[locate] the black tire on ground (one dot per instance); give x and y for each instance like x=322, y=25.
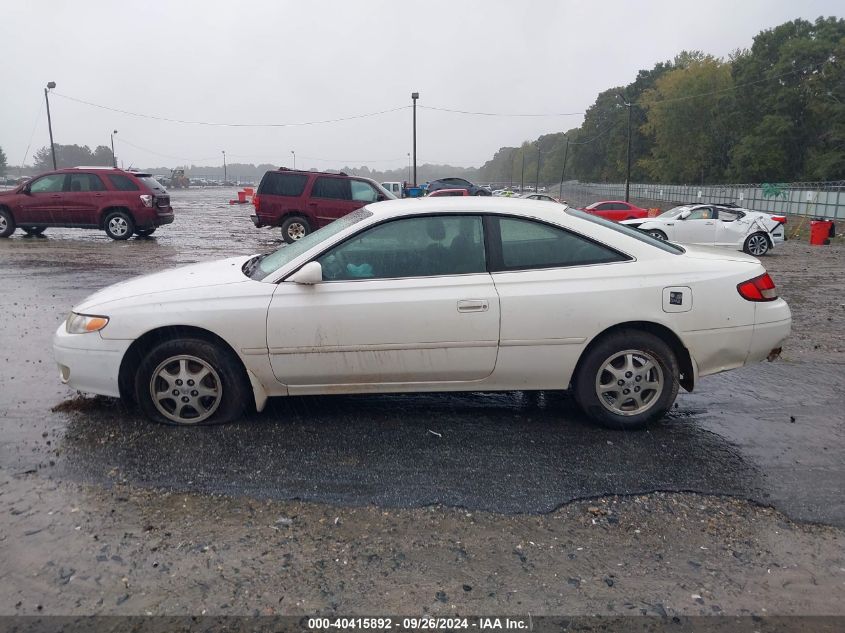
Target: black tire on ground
x=660, y=235
x=294, y=228
x=118, y=225
x=7, y=223
x=648, y=372
x=756, y=244
x=33, y=230
x=145, y=232
x=181, y=371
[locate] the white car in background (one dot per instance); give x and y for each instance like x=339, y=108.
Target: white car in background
x=438, y=294
x=728, y=226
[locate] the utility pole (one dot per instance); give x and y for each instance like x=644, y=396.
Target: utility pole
x=628, y=167
x=537, y=180
x=563, y=169
x=294, y=159
x=414, y=97
x=513, y=153
x=113, y=157
x=522, y=178
x=224, y=167
x=50, y=86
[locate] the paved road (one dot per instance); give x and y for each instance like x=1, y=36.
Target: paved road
x=774, y=432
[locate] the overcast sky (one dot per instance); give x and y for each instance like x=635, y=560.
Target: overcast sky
x=273, y=61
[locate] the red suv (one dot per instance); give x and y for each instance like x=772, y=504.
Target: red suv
x=303, y=201
x=118, y=202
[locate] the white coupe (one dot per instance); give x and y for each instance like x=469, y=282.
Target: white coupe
x=442, y=294
x=728, y=226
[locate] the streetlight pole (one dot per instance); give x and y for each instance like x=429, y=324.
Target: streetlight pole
x=294, y=159
x=409, y=167
x=113, y=157
x=537, y=180
x=628, y=168
x=50, y=86
x=414, y=97
x=224, y=167
x=513, y=155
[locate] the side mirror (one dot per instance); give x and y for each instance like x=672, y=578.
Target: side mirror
x=310, y=274
x=26, y=189
x=684, y=214
x=381, y=197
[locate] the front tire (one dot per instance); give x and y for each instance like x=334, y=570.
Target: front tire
x=119, y=225
x=187, y=382
x=294, y=228
x=658, y=235
x=756, y=244
x=626, y=380
x=7, y=223
x=33, y=230
x=145, y=232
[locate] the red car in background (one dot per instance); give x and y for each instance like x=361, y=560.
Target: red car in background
x=616, y=210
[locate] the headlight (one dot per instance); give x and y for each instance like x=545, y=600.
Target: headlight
x=82, y=323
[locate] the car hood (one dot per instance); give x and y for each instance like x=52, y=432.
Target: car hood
x=714, y=253
x=214, y=273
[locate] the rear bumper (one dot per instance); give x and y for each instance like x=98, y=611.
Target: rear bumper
x=88, y=362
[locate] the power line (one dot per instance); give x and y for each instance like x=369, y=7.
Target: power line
x=219, y=124
x=501, y=114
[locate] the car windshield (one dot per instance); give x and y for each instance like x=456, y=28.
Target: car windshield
x=671, y=213
x=629, y=231
x=261, y=266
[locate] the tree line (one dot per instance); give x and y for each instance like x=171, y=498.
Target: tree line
x=771, y=113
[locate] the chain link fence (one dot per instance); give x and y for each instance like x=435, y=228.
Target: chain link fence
x=815, y=199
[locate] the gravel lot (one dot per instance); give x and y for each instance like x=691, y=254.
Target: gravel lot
x=732, y=505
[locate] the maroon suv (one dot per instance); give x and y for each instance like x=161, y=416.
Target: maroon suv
x=119, y=202
x=303, y=201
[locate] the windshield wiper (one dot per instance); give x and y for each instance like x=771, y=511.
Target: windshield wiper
x=251, y=264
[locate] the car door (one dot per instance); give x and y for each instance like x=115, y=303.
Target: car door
x=405, y=301
x=555, y=293
x=43, y=202
x=82, y=199
x=330, y=199
x=731, y=227
x=699, y=227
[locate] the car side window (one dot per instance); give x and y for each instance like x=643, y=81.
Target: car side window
x=86, y=182
x=526, y=244
x=332, y=188
x=122, y=183
x=703, y=213
x=48, y=184
x=605, y=206
x=363, y=191
x=729, y=216
x=279, y=184
x=410, y=247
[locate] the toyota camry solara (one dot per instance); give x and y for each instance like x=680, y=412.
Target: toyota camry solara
x=448, y=294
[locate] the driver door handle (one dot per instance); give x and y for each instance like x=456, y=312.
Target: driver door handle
x=473, y=305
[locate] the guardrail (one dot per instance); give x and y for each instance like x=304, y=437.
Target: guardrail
x=816, y=199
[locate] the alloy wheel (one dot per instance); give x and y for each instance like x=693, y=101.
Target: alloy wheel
x=629, y=382
x=758, y=245
x=296, y=231
x=118, y=226
x=186, y=389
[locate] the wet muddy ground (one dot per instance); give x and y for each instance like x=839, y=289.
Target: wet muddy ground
x=419, y=503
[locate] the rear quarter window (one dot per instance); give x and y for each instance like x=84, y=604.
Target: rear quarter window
x=277, y=184
x=122, y=183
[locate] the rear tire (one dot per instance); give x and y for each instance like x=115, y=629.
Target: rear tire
x=756, y=244
x=119, y=225
x=294, y=228
x=186, y=382
x=648, y=372
x=33, y=230
x=7, y=223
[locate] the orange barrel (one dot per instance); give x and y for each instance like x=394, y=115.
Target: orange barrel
x=249, y=191
x=241, y=197
x=820, y=232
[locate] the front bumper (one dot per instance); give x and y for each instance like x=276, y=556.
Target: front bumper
x=88, y=362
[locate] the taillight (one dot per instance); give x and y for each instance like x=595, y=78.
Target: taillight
x=255, y=201
x=760, y=288
x=779, y=218
x=147, y=200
